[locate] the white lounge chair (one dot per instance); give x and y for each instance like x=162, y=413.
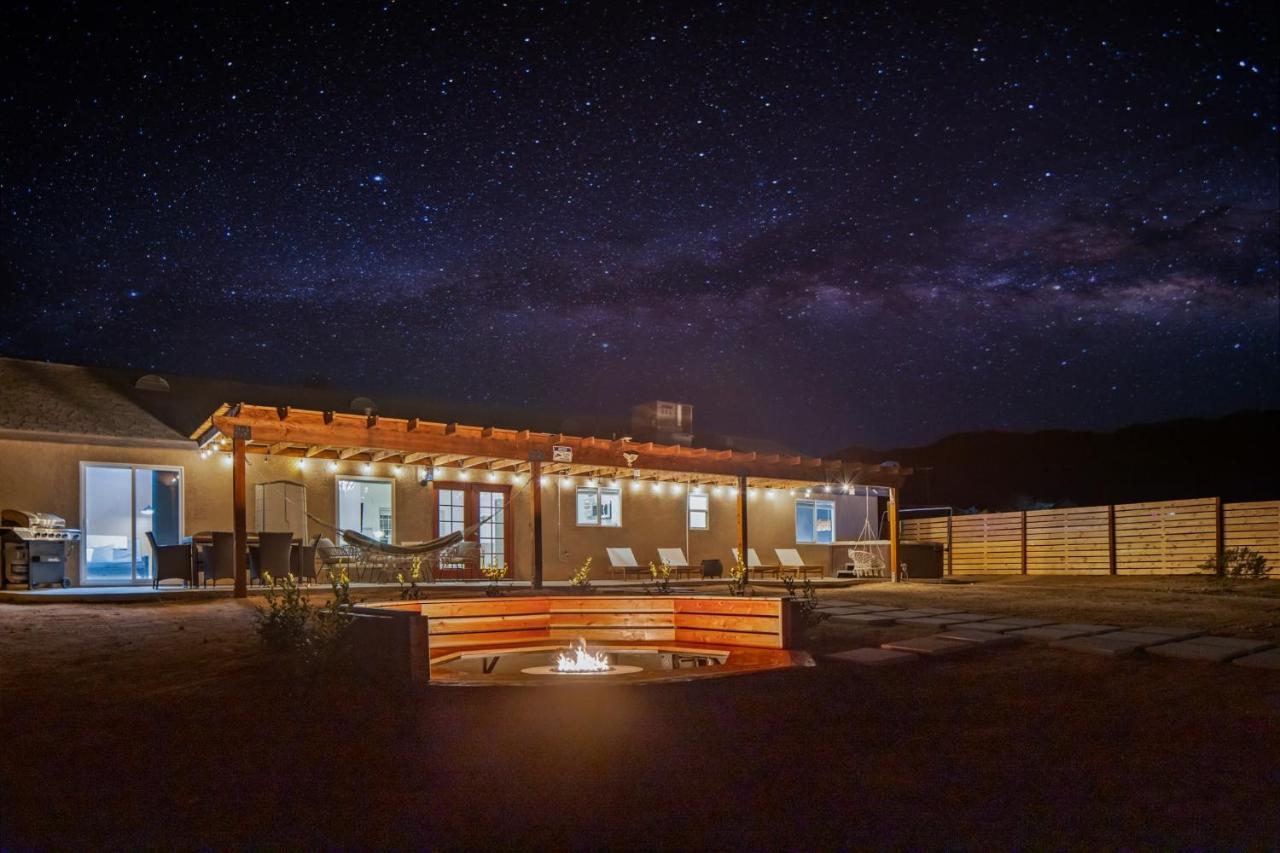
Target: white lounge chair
x=753, y=562
x=790, y=561
x=674, y=557
x=623, y=561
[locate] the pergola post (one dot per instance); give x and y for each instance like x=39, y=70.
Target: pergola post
x=743, y=553
x=895, y=569
x=535, y=492
x=239, y=523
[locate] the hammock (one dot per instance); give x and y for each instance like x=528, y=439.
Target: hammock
x=358, y=539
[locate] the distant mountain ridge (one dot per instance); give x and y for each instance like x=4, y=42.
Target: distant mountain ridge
x=1236, y=457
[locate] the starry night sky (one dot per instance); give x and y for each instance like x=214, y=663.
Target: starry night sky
x=822, y=224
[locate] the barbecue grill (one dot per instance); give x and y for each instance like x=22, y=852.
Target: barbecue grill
x=34, y=548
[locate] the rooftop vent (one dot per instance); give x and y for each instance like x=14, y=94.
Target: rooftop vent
x=363, y=405
x=151, y=382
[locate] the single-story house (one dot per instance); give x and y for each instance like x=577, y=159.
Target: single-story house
x=117, y=453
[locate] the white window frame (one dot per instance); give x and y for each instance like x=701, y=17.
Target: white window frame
x=598, y=490
x=706, y=510
x=133, y=500
x=813, y=503
x=337, y=497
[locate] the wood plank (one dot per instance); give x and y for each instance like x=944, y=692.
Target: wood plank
x=728, y=638
x=728, y=622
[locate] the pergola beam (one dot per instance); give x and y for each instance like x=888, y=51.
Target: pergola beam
x=357, y=435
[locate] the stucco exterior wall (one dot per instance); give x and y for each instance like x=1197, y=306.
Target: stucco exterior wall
x=45, y=476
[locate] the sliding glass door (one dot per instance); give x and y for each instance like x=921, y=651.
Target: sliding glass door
x=120, y=504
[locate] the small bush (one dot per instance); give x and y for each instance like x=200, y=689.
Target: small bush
x=661, y=574
x=1240, y=562
x=808, y=599
x=494, y=574
x=738, y=579
x=290, y=623
x=582, y=577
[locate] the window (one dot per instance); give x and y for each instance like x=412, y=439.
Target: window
x=365, y=504
x=493, y=528
x=451, y=511
x=599, y=507
x=121, y=503
x=699, y=511
x=815, y=522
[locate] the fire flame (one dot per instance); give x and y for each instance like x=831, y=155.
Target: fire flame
x=582, y=660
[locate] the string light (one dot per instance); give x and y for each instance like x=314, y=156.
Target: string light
x=676, y=488
x=302, y=463
x=333, y=466
x=565, y=482
x=635, y=485
x=395, y=470
x=542, y=481
x=367, y=468
x=493, y=475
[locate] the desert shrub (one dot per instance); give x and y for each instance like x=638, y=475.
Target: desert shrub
x=808, y=597
x=1242, y=562
x=410, y=590
x=494, y=574
x=290, y=623
x=738, y=584
x=662, y=575
x=582, y=577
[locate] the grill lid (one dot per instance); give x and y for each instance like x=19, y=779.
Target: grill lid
x=24, y=518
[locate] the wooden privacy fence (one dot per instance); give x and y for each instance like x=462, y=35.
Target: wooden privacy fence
x=1165, y=537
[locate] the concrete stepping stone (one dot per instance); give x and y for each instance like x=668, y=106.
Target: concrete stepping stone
x=1112, y=644
x=985, y=638
x=995, y=626
x=935, y=621
x=934, y=646
x=1025, y=623
x=1050, y=633
x=933, y=611
x=1213, y=649
x=848, y=608
x=875, y=608
x=902, y=614
x=1260, y=660
x=1168, y=631
x=1133, y=635
x=862, y=619
x=874, y=657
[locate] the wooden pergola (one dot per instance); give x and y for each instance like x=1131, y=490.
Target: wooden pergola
x=290, y=432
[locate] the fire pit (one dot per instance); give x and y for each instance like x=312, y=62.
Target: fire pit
x=581, y=662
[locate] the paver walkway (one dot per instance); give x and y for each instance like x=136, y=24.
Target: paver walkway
x=962, y=631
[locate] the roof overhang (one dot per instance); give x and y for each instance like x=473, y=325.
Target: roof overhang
x=283, y=431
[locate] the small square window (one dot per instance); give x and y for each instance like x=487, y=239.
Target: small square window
x=599, y=507
x=699, y=511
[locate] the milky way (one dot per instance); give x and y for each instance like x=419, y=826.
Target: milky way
x=818, y=224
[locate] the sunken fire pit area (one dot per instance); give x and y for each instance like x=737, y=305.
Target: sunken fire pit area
x=590, y=639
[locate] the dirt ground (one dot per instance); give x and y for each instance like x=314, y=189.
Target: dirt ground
x=162, y=725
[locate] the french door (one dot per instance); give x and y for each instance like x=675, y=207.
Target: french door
x=460, y=506
x=120, y=504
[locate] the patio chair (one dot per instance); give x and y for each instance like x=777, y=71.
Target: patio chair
x=754, y=564
x=790, y=561
x=303, y=561
x=273, y=557
x=220, y=559
x=674, y=557
x=623, y=561
x=171, y=562
x=333, y=558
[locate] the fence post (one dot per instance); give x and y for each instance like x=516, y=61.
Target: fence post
x=1111, y=538
x=1024, y=541
x=950, y=564
x=1220, y=529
